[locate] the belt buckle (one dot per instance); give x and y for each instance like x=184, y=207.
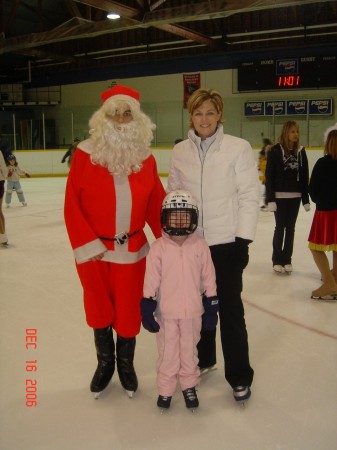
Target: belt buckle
x=121, y=238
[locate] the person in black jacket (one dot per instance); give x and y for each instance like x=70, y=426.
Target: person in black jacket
x=287, y=179
x=323, y=233
x=70, y=152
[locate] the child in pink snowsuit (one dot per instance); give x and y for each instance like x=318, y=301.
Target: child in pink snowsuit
x=180, y=289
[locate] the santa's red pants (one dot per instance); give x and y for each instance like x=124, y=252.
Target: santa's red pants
x=112, y=294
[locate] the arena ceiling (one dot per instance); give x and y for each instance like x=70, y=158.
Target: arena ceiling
x=43, y=40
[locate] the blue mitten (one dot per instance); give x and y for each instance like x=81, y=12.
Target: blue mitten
x=210, y=316
x=147, y=308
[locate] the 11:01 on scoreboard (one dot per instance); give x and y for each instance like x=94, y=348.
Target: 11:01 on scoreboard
x=289, y=81
x=314, y=72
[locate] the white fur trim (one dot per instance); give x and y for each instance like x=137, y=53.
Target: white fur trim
x=125, y=98
x=86, y=146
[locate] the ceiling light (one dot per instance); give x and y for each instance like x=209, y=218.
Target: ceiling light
x=113, y=16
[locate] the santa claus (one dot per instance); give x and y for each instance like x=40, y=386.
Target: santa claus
x=113, y=190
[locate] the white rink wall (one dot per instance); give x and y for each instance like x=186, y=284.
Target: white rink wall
x=41, y=163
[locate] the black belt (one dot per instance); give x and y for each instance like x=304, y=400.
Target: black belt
x=120, y=238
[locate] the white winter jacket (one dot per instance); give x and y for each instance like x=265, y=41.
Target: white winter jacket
x=225, y=185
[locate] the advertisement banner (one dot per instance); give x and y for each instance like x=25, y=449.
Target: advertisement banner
x=287, y=67
x=313, y=107
x=296, y=107
x=191, y=84
x=254, y=108
x=320, y=107
x=275, y=108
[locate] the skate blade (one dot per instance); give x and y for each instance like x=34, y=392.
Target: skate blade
x=207, y=370
x=193, y=410
x=97, y=395
x=325, y=297
x=129, y=393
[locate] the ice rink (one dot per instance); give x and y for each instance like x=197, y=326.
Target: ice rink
x=293, y=349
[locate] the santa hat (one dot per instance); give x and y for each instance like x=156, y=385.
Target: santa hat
x=122, y=92
x=327, y=131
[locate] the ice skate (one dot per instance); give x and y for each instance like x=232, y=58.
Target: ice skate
x=277, y=268
x=125, y=368
x=288, y=268
x=102, y=378
x=206, y=370
x=241, y=394
x=328, y=291
x=105, y=349
x=163, y=403
x=3, y=239
x=191, y=399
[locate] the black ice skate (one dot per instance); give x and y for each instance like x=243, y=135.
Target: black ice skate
x=102, y=377
x=105, y=349
x=242, y=394
x=191, y=399
x=164, y=402
x=126, y=371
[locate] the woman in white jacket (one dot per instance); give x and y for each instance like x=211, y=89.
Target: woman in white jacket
x=220, y=172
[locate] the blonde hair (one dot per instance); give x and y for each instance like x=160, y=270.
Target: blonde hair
x=331, y=144
x=283, y=139
x=202, y=95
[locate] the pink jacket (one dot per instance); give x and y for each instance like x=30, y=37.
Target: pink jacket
x=178, y=275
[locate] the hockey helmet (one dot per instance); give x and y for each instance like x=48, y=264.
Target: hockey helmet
x=11, y=157
x=179, y=213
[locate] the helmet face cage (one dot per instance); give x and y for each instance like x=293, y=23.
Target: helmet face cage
x=179, y=214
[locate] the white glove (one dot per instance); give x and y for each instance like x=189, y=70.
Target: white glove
x=307, y=207
x=272, y=207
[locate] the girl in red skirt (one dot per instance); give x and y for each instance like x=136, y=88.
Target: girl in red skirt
x=323, y=233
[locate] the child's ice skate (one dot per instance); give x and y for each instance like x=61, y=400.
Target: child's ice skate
x=277, y=268
x=288, y=268
x=328, y=291
x=163, y=403
x=3, y=239
x=242, y=394
x=191, y=399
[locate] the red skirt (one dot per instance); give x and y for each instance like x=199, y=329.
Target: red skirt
x=323, y=233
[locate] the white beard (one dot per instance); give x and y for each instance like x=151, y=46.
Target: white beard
x=121, y=148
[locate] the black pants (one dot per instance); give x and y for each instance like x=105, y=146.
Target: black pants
x=285, y=220
x=234, y=338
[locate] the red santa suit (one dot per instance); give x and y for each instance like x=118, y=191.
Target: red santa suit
x=100, y=210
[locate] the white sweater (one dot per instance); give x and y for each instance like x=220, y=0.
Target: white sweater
x=225, y=185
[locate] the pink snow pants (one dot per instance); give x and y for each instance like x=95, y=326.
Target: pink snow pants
x=178, y=357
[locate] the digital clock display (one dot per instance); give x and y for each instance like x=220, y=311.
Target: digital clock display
x=289, y=81
x=314, y=72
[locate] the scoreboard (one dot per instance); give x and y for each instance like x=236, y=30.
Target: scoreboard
x=310, y=72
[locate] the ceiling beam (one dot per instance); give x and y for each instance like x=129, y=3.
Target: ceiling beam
x=167, y=19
